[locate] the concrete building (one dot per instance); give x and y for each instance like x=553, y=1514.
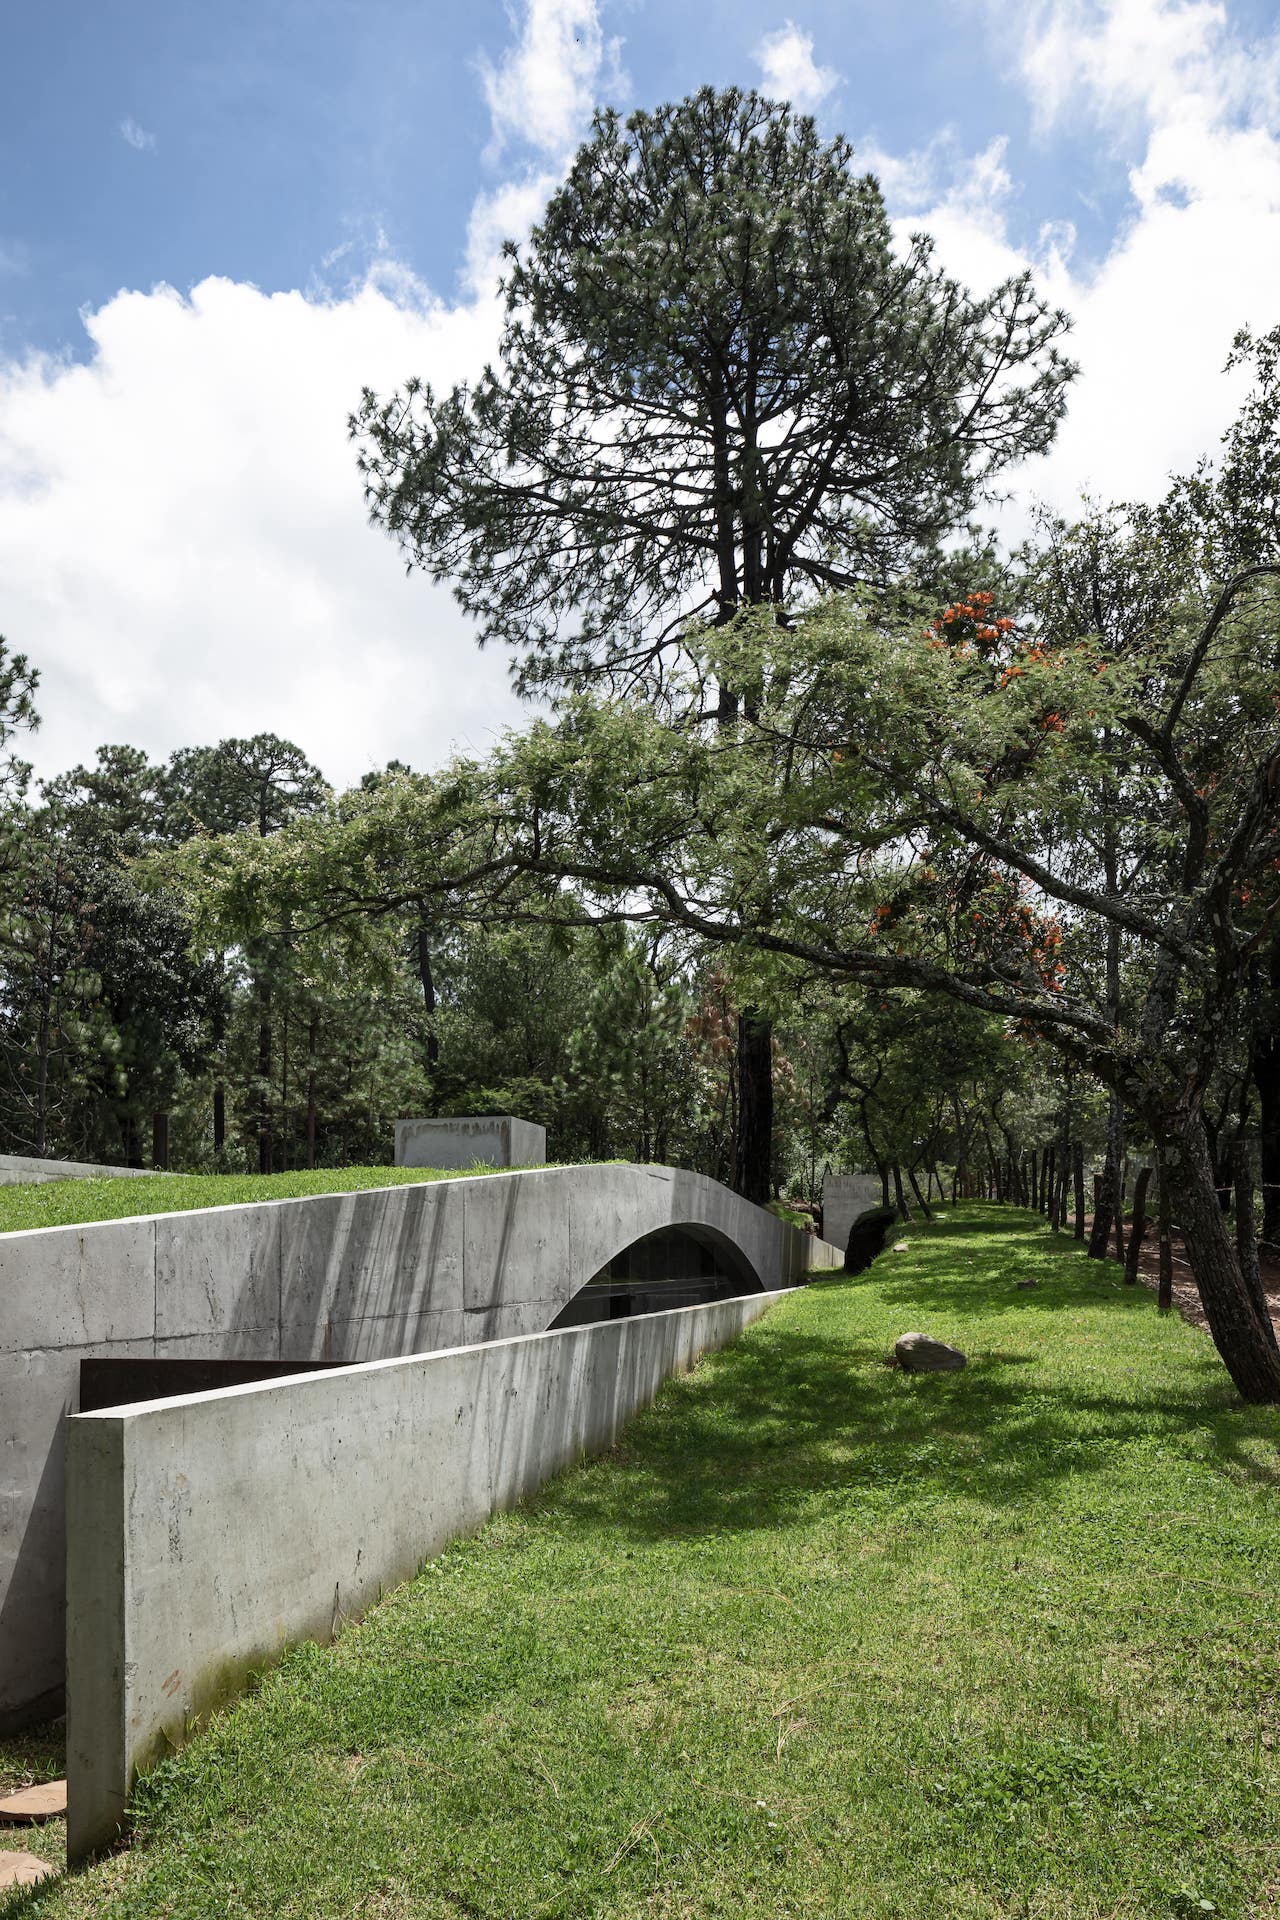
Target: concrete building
x=344, y=1278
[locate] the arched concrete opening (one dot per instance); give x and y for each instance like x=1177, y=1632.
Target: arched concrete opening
x=685, y=1266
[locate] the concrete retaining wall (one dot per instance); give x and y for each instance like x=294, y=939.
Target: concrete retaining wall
x=350, y=1277
x=22, y=1170
x=205, y=1534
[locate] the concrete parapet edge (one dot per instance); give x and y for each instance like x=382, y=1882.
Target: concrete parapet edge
x=210, y=1532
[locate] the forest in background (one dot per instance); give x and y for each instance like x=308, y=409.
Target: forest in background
x=124, y=1040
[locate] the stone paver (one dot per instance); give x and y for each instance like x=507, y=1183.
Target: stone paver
x=44, y=1802
x=22, y=1869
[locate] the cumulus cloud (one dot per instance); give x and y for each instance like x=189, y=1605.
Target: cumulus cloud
x=184, y=544
x=135, y=136
x=1186, y=109
x=544, y=87
x=785, y=59
x=505, y=214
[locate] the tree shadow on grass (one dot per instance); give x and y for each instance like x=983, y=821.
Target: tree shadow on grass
x=789, y=1417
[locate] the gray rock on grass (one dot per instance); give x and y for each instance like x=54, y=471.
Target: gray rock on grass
x=919, y=1353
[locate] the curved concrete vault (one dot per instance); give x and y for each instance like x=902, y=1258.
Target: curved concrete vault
x=380, y=1274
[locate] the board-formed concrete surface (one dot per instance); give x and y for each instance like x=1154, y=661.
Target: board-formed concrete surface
x=844, y=1197
x=206, y=1534
x=345, y=1276
x=23, y=1170
x=492, y=1140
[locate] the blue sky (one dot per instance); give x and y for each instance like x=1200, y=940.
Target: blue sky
x=217, y=223
x=165, y=142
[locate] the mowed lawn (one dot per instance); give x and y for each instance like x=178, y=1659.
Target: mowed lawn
x=63, y=1203
x=819, y=1639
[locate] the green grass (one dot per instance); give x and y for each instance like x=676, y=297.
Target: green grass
x=820, y=1639
x=64, y=1203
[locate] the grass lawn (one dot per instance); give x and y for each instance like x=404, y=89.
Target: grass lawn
x=820, y=1638
x=65, y=1203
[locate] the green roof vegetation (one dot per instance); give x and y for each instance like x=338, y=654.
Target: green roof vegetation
x=64, y=1203
x=819, y=1638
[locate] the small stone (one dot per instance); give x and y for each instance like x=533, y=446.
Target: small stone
x=901, y=1246
x=918, y=1353
x=44, y=1802
x=22, y=1869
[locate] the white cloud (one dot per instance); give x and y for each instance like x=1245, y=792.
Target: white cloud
x=785, y=58
x=505, y=214
x=543, y=90
x=183, y=539
x=1187, y=109
x=135, y=136
x=1128, y=62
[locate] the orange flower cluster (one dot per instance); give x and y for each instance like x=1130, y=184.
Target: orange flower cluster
x=1039, y=935
x=968, y=619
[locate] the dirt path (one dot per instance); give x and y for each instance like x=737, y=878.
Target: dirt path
x=1186, y=1295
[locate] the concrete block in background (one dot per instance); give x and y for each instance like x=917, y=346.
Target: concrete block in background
x=490, y=1140
x=844, y=1197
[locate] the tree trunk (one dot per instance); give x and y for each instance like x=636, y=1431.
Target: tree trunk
x=313, y=1035
x=925, y=1208
x=1107, y=1198
x=754, y=1159
x=1246, y=1226
x=265, y=1154
x=1237, y=1313
x=904, y=1211
x=160, y=1141
x=427, y=978
x=1077, y=1172
x=1137, y=1226
x=219, y=1057
x=1119, y=1219
x=1164, y=1290
x=1267, y=1083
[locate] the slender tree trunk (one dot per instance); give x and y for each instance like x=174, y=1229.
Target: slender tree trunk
x=1268, y=1085
x=265, y=1149
x=1077, y=1173
x=754, y=1164
x=219, y=1058
x=1119, y=1220
x=904, y=1211
x=427, y=978
x=1107, y=1201
x=160, y=1141
x=1246, y=1225
x=1137, y=1226
x=313, y=1038
x=925, y=1208
x=1164, y=1290
x=1237, y=1312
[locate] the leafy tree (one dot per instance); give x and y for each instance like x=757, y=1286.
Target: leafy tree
x=253, y=786
x=720, y=386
